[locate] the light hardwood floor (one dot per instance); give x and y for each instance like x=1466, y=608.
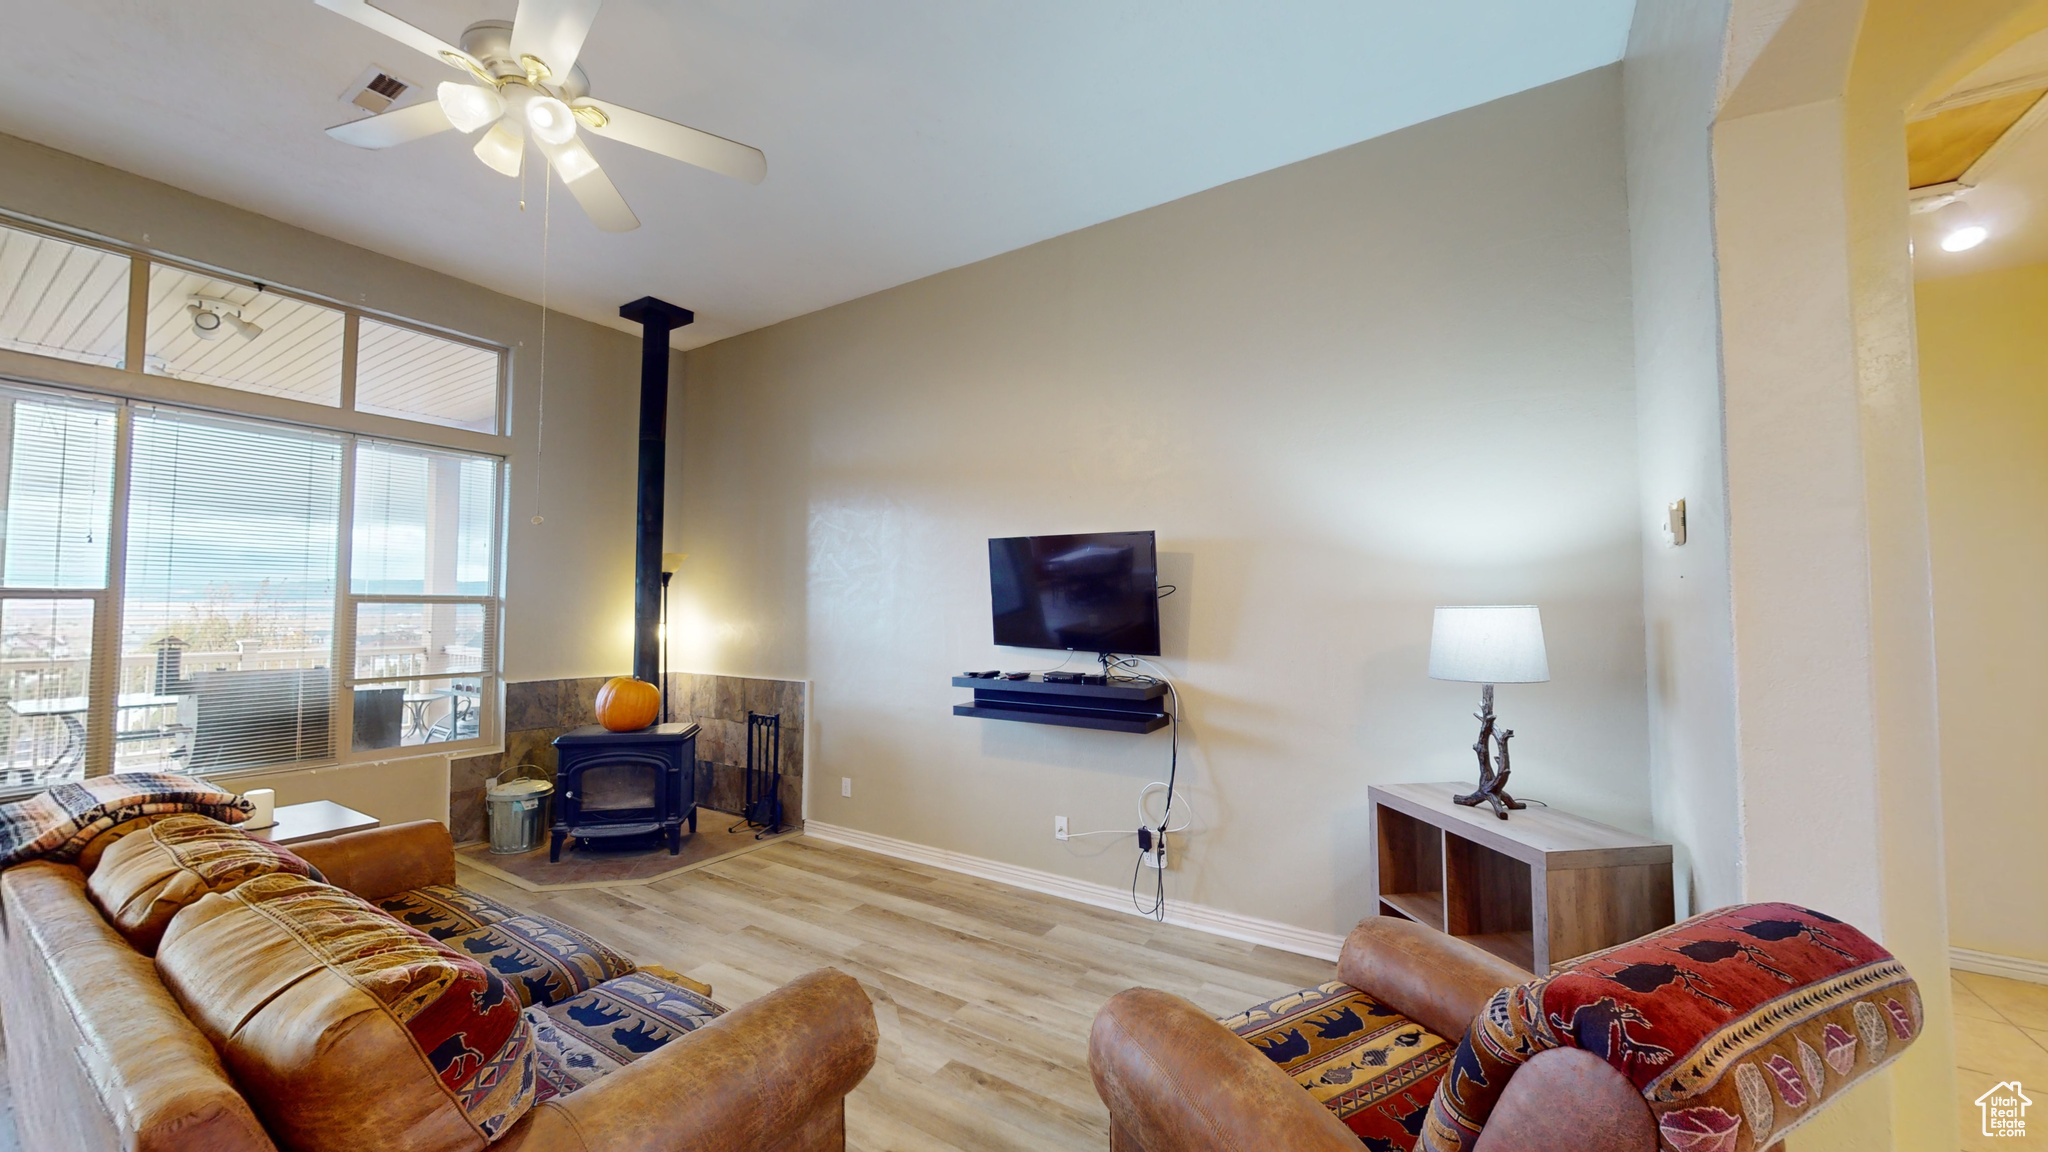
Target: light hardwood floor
x=983, y=992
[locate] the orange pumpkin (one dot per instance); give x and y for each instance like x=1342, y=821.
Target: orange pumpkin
x=627, y=705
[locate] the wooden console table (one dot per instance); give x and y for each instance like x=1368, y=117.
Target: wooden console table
x=315, y=820
x=1536, y=889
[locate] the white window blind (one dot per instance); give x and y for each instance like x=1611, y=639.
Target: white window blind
x=228, y=607
x=59, y=475
x=56, y=465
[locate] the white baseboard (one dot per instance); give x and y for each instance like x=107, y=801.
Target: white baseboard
x=1992, y=964
x=1216, y=921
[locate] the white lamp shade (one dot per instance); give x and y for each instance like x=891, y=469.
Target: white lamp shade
x=469, y=106
x=1489, y=644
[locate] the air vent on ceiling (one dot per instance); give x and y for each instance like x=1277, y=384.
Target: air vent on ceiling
x=376, y=90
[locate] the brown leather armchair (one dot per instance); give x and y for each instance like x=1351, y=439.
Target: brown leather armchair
x=102, y=1056
x=1175, y=1080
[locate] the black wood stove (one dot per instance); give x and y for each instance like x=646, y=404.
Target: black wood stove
x=619, y=784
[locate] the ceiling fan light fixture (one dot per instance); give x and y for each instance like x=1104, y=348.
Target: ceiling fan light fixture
x=502, y=148
x=468, y=106
x=462, y=62
x=572, y=161
x=550, y=119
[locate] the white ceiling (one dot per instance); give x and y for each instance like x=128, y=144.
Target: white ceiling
x=903, y=138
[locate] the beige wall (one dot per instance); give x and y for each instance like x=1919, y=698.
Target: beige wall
x=1670, y=81
x=1840, y=763
x=1984, y=396
x=1344, y=391
x=569, y=584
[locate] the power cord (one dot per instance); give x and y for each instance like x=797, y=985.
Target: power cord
x=1111, y=662
x=1151, y=837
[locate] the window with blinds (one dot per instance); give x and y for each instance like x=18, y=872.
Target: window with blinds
x=422, y=578
x=57, y=465
x=206, y=591
x=228, y=609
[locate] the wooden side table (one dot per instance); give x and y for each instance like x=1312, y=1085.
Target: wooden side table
x=1536, y=889
x=317, y=820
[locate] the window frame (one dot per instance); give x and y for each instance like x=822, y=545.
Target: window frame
x=347, y=601
x=133, y=381
x=131, y=385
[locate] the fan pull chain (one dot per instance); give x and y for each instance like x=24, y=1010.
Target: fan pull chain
x=540, y=432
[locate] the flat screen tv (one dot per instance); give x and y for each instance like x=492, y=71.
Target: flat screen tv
x=1097, y=592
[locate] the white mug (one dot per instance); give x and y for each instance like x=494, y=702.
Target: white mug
x=265, y=811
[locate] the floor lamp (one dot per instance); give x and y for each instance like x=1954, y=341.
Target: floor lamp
x=670, y=561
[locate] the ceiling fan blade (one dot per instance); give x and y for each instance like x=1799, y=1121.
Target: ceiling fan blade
x=677, y=142
x=552, y=31
x=378, y=20
x=389, y=128
x=602, y=203
x=587, y=182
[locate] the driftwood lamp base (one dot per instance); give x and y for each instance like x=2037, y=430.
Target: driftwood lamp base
x=1492, y=750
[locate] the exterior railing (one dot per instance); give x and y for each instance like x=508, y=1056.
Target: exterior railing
x=35, y=747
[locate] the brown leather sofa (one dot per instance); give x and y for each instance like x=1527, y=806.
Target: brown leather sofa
x=102, y=1057
x=1175, y=1080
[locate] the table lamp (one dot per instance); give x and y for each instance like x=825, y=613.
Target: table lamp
x=1488, y=645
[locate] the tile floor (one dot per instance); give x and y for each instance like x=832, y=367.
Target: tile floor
x=2001, y=1034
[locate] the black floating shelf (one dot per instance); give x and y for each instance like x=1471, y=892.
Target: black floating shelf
x=1118, y=707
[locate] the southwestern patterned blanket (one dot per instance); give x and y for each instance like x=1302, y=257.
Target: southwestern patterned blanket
x=63, y=822
x=1737, y=1025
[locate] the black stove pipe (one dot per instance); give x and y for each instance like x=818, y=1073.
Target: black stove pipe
x=657, y=318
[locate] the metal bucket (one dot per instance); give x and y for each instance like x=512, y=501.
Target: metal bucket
x=517, y=810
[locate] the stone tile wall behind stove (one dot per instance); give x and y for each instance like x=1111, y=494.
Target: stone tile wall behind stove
x=537, y=711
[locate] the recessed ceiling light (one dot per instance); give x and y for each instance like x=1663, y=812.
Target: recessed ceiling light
x=1959, y=227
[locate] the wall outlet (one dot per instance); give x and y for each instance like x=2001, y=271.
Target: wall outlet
x=846, y=785
x=1059, y=827
x=1159, y=857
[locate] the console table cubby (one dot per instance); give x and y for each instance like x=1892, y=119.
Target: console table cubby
x=1536, y=889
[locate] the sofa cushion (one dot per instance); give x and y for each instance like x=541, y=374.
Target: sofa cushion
x=443, y=910
x=545, y=961
x=607, y=1027
x=1373, y=1067
x=145, y=878
x=345, y=1029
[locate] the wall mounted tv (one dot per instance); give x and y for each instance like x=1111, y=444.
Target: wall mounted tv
x=1097, y=592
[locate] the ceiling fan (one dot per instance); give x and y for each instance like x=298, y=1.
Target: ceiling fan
x=523, y=84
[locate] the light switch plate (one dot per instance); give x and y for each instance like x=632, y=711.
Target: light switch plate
x=1674, y=523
